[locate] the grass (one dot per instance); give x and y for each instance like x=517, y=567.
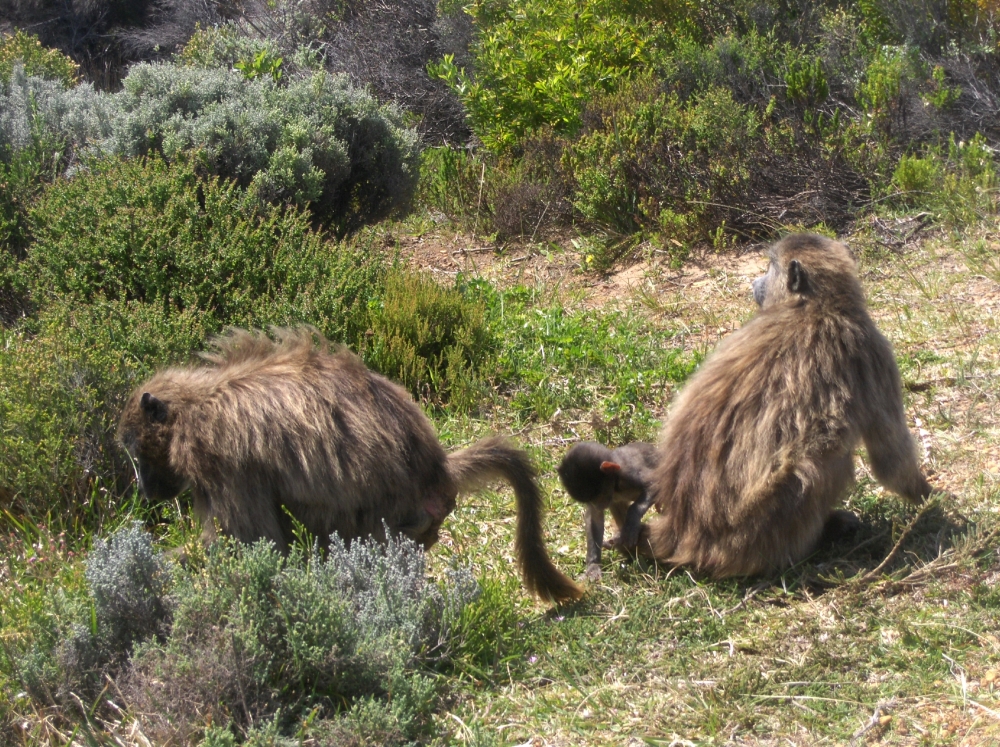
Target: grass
x=837, y=650
x=844, y=648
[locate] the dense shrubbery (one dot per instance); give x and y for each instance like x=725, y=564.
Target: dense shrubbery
x=317, y=141
x=247, y=641
x=27, y=51
x=717, y=122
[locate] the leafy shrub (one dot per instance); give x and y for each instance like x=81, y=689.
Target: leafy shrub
x=537, y=64
x=649, y=154
x=143, y=231
x=257, y=637
x=27, y=51
x=316, y=141
x=433, y=340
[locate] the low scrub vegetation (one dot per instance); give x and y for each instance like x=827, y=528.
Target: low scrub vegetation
x=245, y=644
x=680, y=124
x=232, y=177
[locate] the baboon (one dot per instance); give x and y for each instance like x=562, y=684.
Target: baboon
x=758, y=448
x=271, y=430
x=602, y=479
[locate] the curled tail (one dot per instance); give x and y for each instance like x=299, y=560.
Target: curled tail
x=494, y=458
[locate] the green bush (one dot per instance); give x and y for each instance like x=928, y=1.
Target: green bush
x=539, y=62
x=724, y=122
x=27, y=51
x=145, y=232
x=318, y=141
x=653, y=153
x=431, y=339
x=959, y=185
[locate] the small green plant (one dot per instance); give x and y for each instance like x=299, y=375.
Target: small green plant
x=959, y=187
x=27, y=51
x=880, y=91
x=434, y=340
x=262, y=63
x=942, y=96
x=805, y=82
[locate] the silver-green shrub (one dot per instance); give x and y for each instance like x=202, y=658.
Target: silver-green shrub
x=31, y=107
x=316, y=141
x=257, y=636
x=128, y=582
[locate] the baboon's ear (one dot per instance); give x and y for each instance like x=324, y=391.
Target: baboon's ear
x=797, y=280
x=610, y=468
x=154, y=408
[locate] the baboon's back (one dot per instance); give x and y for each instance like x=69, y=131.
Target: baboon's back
x=314, y=431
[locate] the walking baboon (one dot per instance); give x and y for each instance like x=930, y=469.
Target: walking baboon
x=276, y=429
x=758, y=448
x=602, y=479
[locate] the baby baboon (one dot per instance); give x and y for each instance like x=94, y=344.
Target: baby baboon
x=758, y=448
x=601, y=478
x=272, y=429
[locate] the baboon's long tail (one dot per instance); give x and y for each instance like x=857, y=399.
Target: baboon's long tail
x=494, y=458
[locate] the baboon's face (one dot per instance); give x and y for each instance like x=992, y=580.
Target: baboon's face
x=779, y=282
x=146, y=434
x=764, y=286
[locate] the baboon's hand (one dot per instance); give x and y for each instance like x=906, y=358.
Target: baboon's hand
x=593, y=573
x=629, y=537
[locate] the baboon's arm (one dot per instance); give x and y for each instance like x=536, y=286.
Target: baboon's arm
x=891, y=449
x=629, y=535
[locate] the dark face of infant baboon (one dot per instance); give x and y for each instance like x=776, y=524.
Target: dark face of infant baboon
x=270, y=433
x=758, y=448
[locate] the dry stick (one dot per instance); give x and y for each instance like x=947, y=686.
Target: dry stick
x=479, y=202
x=870, y=576
x=872, y=722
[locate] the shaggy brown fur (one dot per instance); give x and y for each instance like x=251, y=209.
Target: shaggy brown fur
x=286, y=427
x=619, y=480
x=758, y=448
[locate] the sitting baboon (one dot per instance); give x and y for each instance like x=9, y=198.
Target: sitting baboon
x=758, y=448
x=271, y=430
x=619, y=480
